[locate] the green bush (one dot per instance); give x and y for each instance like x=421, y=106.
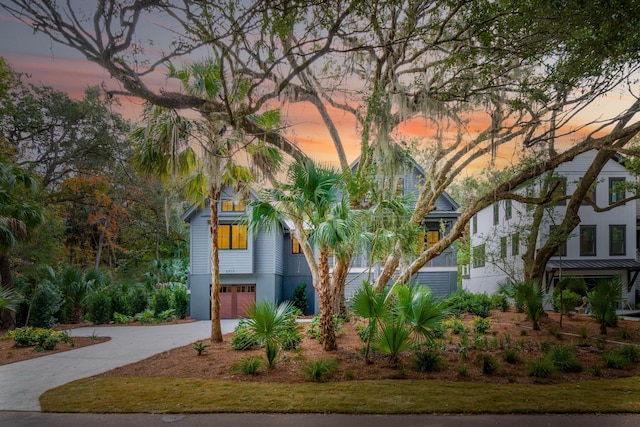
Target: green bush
x=300, y=297
x=540, y=368
x=313, y=331
x=629, y=352
x=570, y=300
x=137, y=300
x=487, y=363
x=511, y=355
x=161, y=300
x=319, y=370
x=99, y=308
x=145, y=317
x=481, y=324
x=616, y=360
x=500, y=302
x=181, y=301
x=122, y=319
x=429, y=360
x=45, y=304
x=242, y=338
x=166, y=315
x=43, y=339
x=250, y=365
x=457, y=326
x=564, y=359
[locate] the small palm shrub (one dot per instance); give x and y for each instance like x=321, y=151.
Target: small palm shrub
x=540, y=368
x=200, y=347
x=487, y=363
x=290, y=336
x=266, y=322
x=428, y=360
x=243, y=339
x=532, y=296
x=250, y=365
x=319, y=370
x=563, y=358
x=511, y=355
x=603, y=300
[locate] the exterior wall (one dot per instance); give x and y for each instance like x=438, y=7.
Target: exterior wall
x=486, y=278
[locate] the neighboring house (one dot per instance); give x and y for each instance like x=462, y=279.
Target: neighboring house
x=258, y=267
x=270, y=265
x=602, y=246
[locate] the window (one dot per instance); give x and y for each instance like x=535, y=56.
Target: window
x=617, y=240
x=478, y=256
x=587, y=240
x=433, y=237
x=515, y=244
x=503, y=247
x=616, y=190
x=560, y=192
x=474, y=224
x=295, y=246
x=507, y=209
x=232, y=236
x=400, y=187
x=496, y=214
x=562, y=245
x=229, y=205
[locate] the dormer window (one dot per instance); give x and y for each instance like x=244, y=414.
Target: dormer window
x=229, y=205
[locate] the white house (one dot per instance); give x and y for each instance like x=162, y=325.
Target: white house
x=602, y=246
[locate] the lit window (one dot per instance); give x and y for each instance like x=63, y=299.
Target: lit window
x=295, y=246
x=587, y=240
x=229, y=205
x=400, y=187
x=433, y=237
x=232, y=236
x=617, y=240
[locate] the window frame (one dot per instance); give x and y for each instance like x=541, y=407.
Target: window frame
x=508, y=209
x=479, y=255
x=503, y=247
x=594, y=242
x=515, y=244
x=474, y=224
x=496, y=213
x=230, y=205
x=233, y=238
x=618, y=195
x=624, y=239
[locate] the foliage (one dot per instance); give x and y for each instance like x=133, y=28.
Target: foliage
x=166, y=316
x=42, y=338
x=45, y=302
x=145, y=317
x=540, y=367
x=161, y=300
x=481, y=324
x=242, y=338
x=265, y=322
x=313, y=330
x=466, y=302
x=9, y=299
x=568, y=301
x=181, y=301
x=487, y=363
x=509, y=289
x=603, y=300
x=428, y=360
x=564, y=358
x=530, y=293
x=500, y=302
x=249, y=365
x=511, y=355
x=300, y=297
x=122, y=319
x=319, y=370
x=200, y=347
x=137, y=300
x=100, y=308
x=393, y=338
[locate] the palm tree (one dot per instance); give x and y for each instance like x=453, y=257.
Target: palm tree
x=530, y=293
x=602, y=301
x=18, y=216
x=312, y=200
x=370, y=304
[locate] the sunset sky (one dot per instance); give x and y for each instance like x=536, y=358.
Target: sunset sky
x=50, y=63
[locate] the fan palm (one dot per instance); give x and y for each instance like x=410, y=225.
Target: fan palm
x=368, y=303
x=266, y=322
x=530, y=293
x=603, y=301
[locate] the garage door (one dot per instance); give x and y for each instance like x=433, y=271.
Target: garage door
x=235, y=299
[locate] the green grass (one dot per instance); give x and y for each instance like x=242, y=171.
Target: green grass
x=172, y=395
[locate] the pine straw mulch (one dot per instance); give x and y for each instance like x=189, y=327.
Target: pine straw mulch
x=508, y=329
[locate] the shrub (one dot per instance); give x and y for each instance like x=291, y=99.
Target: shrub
x=603, y=300
x=243, y=339
x=319, y=370
x=480, y=305
x=313, y=331
x=500, y=302
x=100, y=309
x=200, y=347
x=570, y=300
x=137, y=300
x=45, y=304
x=161, y=300
x=43, y=339
x=250, y=365
x=300, y=297
x=429, y=360
x=625, y=333
x=145, y=317
x=481, y=324
x=122, y=319
x=511, y=355
x=563, y=358
x=629, y=352
x=487, y=363
x=166, y=315
x=181, y=301
x=616, y=360
x=540, y=368
x=457, y=326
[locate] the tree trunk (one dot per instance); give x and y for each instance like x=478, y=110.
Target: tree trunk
x=216, y=329
x=327, y=329
x=339, y=279
x=390, y=265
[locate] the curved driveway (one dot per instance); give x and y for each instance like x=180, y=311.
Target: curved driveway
x=24, y=382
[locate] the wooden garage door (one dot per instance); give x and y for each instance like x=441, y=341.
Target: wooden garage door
x=235, y=299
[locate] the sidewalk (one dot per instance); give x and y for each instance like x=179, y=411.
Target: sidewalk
x=24, y=382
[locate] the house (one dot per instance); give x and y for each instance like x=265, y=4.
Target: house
x=602, y=246
x=270, y=265
x=265, y=266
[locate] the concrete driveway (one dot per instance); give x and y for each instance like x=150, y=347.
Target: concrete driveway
x=24, y=382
